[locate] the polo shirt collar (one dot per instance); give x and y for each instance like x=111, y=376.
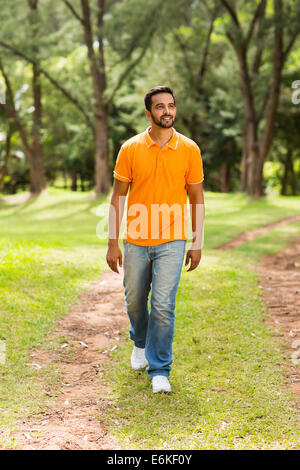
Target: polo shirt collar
x=172, y=144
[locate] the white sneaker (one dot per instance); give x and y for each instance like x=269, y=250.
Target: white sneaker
x=138, y=358
x=160, y=383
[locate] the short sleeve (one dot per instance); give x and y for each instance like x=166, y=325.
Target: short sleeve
x=195, y=168
x=123, y=171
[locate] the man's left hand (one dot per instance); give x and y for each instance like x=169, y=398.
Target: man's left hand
x=194, y=256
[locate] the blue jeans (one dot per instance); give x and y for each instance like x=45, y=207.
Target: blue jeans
x=160, y=265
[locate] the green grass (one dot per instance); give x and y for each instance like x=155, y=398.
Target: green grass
x=49, y=252
x=228, y=389
x=228, y=215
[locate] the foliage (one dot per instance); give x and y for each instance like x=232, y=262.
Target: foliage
x=181, y=43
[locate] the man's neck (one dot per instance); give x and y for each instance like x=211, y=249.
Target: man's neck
x=160, y=135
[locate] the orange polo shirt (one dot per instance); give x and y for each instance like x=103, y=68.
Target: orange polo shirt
x=157, y=200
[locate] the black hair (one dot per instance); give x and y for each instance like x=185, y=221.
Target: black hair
x=155, y=91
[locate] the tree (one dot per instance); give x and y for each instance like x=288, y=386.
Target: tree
x=90, y=14
x=193, y=38
x=31, y=140
x=286, y=145
x=249, y=44
x=94, y=40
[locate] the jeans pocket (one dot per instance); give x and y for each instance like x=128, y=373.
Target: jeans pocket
x=176, y=247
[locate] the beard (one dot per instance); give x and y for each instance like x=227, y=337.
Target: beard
x=161, y=123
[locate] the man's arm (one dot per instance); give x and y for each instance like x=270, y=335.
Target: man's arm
x=196, y=199
x=117, y=203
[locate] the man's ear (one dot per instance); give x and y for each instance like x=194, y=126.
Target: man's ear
x=148, y=114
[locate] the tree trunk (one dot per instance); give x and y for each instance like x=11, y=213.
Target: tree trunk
x=37, y=173
x=65, y=178
x=74, y=181
x=244, y=164
x=250, y=168
x=37, y=181
x=34, y=150
x=97, y=70
x=255, y=150
x=82, y=183
x=102, y=167
x=249, y=173
x=96, y=60
x=225, y=178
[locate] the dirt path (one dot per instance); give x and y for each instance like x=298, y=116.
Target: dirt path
x=77, y=419
x=280, y=284
x=252, y=234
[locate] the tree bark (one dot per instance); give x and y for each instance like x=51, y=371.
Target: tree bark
x=98, y=75
x=196, y=80
x=97, y=70
x=102, y=167
x=250, y=145
x=244, y=163
x=255, y=148
x=225, y=177
x=273, y=99
x=32, y=151
x=74, y=180
x=37, y=173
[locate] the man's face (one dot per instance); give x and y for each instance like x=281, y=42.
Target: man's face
x=163, y=110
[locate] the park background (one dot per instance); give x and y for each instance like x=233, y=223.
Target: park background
x=73, y=76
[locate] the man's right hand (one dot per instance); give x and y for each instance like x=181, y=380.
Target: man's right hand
x=113, y=255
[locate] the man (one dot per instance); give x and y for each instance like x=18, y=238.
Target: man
x=159, y=166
